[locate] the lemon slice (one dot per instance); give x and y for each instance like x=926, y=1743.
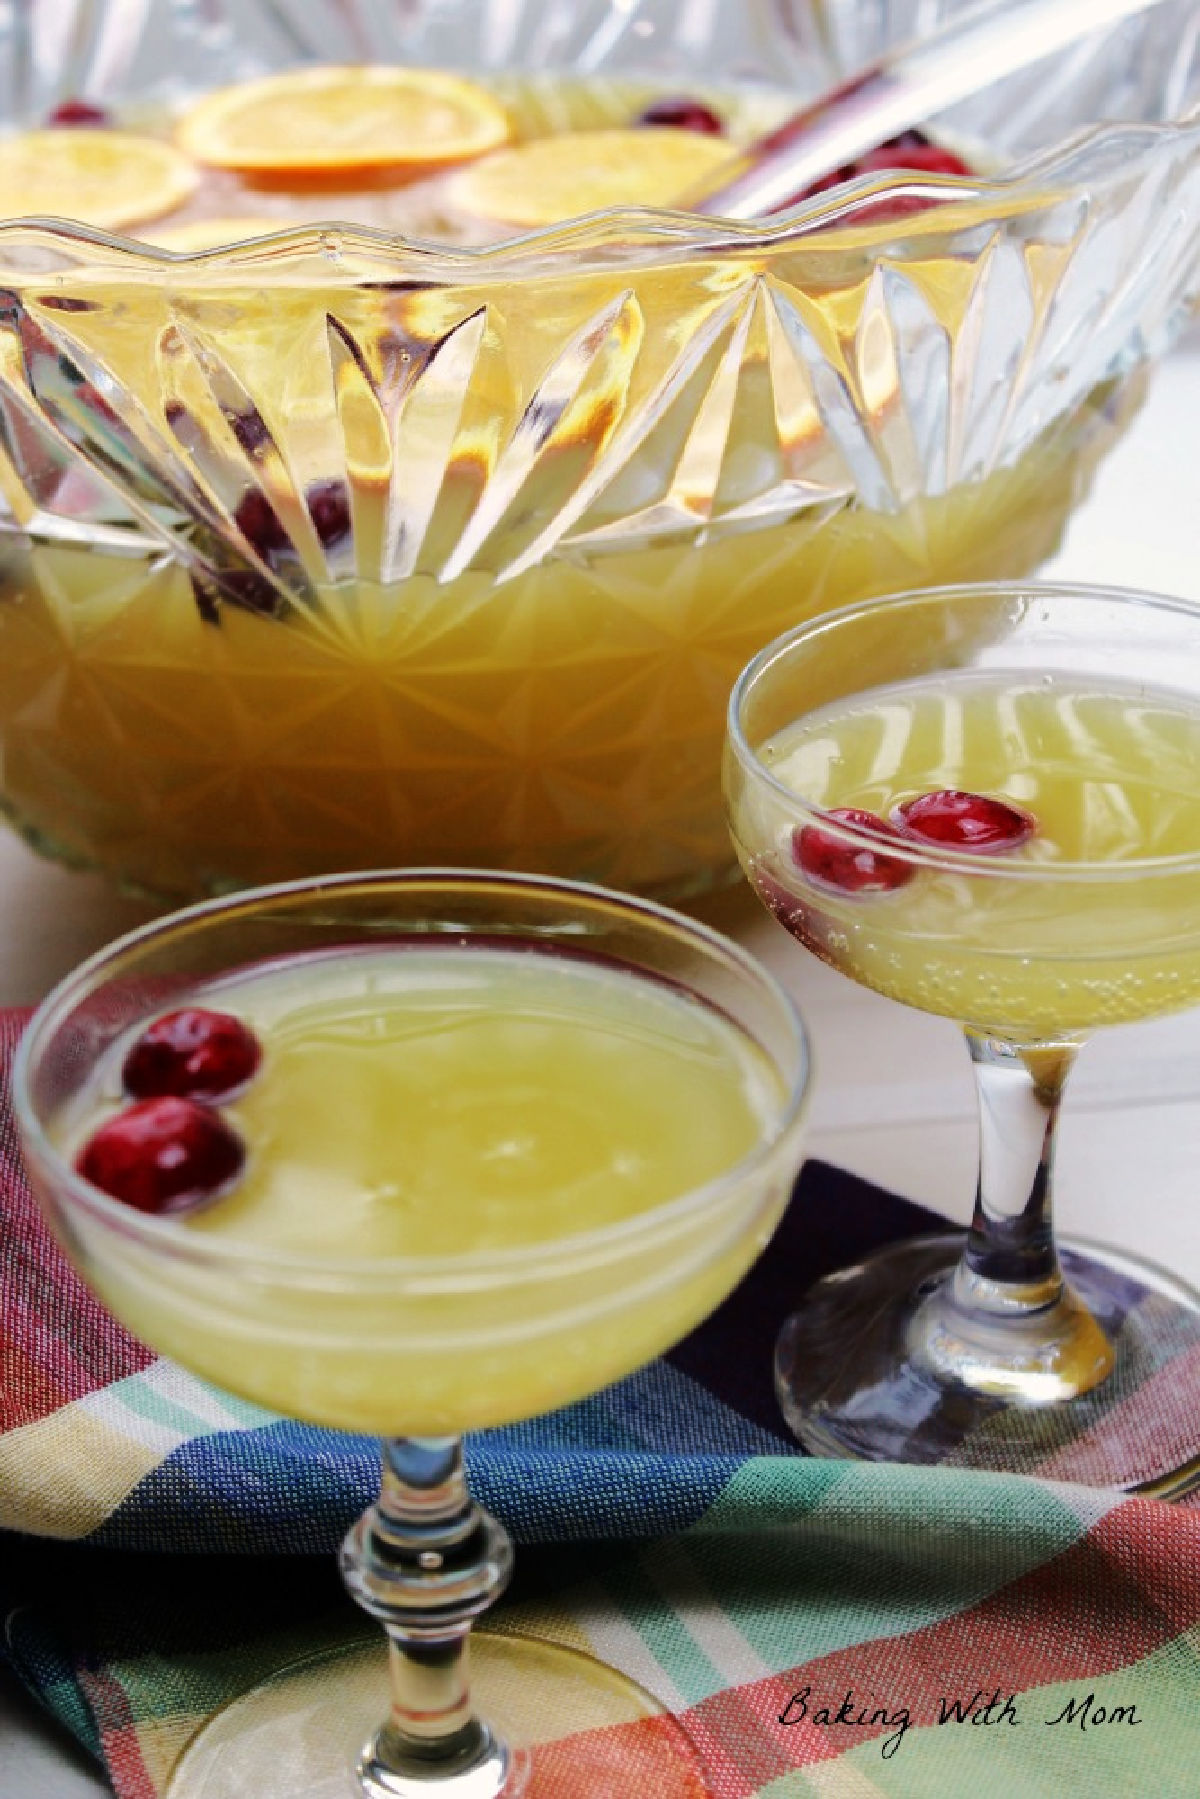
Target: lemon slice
x=552, y=178
x=110, y=179
x=343, y=127
x=212, y=234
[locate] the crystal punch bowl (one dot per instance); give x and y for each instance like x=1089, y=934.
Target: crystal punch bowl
x=335, y=548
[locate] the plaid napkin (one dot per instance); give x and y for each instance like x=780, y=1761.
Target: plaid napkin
x=820, y=1627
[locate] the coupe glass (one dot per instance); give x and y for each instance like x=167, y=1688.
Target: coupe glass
x=996, y=1351
x=337, y=548
x=443, y=1344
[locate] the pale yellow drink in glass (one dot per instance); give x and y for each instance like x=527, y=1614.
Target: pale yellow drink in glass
x=425, y=1113
x=984, y=802
x=1010, y=944
x=505, y=1139
x=570, y=721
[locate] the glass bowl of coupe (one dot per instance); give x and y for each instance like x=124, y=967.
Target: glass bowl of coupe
x=434, y=521
x=983, y=802
x=417, y=1154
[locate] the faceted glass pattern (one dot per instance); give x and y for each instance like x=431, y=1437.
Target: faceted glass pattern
x=331, y=551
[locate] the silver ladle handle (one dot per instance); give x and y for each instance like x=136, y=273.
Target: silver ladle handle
x=901, y=90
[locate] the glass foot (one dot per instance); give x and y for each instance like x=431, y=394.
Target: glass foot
x=575, y=1729
x=855, y=1377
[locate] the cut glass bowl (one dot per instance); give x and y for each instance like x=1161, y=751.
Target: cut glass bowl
x=332, y=551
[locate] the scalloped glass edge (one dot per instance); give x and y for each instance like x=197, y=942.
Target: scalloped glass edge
x=1083, y=166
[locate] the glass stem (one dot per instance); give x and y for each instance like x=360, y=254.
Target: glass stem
x=426, y=1560
x=1005, y=1323
x=1010, y=1264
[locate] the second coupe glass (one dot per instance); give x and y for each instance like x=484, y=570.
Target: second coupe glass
x=985, y=802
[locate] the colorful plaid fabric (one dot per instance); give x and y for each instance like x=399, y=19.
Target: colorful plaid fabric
x=819, y=1627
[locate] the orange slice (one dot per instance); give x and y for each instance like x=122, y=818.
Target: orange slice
x=111, y=179
x=212, y=234
x=549, y=179
x=343, y=127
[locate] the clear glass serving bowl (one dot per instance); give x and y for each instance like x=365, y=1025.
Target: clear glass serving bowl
x=333, y=549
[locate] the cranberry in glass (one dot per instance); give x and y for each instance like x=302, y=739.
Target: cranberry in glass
x=78, y=112
x=259, y=524
x=965, y=821
x=193, y=1053
x=684, y=113
x=851, y=867
x=163, y=1155
x=912, y=150
x=329, y=509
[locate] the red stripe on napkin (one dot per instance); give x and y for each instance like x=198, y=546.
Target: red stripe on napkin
x=57, y=1342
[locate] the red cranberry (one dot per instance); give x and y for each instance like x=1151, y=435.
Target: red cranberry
x=911, y=150
x=852, y=867
x=163, y=1155
x=965, y=821
x=244, y=586
x=684, y=114
x=329, y=509
x=259, y=524
x=192, y=1053
x=78, y=112
x=250, y=429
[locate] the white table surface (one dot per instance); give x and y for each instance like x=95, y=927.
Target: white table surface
x=893, y=1099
